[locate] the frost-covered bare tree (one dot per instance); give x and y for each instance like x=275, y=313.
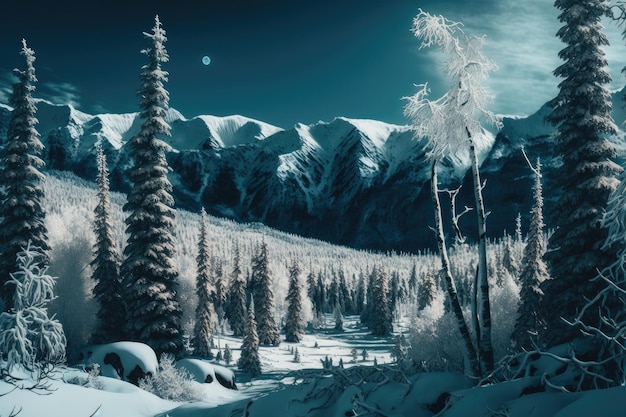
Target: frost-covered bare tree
x=582, y=114
x=148, y=270
x=452, y=124
x=21, y=196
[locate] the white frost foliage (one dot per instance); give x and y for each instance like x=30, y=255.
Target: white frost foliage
x=504, y=301
x=172, y=383
x=27, y=334
x=448, y=121
x=614, y=220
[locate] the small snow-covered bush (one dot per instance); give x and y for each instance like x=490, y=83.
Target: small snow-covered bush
x=28, y=337
x=89, y=380
x=504, y=304
x=437, y=347
x=172, y=383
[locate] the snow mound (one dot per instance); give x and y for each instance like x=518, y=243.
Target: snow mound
x=128, y=361
x=209, y=373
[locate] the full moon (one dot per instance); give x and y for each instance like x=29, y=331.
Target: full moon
x=206, y=60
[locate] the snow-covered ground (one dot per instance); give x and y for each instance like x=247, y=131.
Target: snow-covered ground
x=291, y=389
x=117, y=398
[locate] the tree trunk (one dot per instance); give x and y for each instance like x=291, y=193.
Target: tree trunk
x=470, y=350
x=485, y=348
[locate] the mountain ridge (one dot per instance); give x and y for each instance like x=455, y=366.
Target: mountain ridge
x=356, y=182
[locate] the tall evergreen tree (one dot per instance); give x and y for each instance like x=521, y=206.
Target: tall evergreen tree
x=380, y=321
x=368, y=312
x=320, y=302
x=413, y=279
x=509, y=260
x=587, y=176
x=236, y=301
x=394, y=291
x=106, y=264
x=312, y=290
x=148, y=270
x=360, y=294
x=535, y=272
x=220, y=293
x=249, y=360
x=294, y=325
x=345, y=298
x=426, y=291
x=264, y=298
x=205, y=314
x=21, y=211
x=333, y=293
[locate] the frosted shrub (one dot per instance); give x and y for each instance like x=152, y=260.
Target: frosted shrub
x=505, y=300
x=434, y=339
x=27, y=335
x=172, y=383
x=90, y=380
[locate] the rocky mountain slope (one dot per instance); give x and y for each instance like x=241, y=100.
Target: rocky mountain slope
x=361, y=183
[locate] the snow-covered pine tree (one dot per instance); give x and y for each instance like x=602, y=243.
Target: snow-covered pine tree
x=394, y=292
x=27, y=335
x=368, y=312
x=338, y=318
x=228, y=354
x=312, y=291
x=294, y=325
x=344, y=294
x=321, y=293
x=219, y=295
x=236, y=301
x=249, y=360
x=333, y=292
x=426, y=291
x=106, y=263
x=582, y=113
x=149, y=271
x=264, y=297
x=413, y=280
x=509, y=260
x=535, y=272
x=452, y=124
x=381, y=318
x=359, y=301
x=205, y=314
x=399, y=351
x=21, y=211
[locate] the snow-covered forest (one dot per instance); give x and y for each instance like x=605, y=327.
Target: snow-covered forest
x=124, y=304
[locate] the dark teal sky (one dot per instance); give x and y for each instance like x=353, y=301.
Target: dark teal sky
x=278, y=61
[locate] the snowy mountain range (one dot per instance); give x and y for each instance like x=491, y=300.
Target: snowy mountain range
x=361, y=183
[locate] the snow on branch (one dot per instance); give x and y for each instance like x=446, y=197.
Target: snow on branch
x=435, y=30
x=450, y=121
x=457, y=216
